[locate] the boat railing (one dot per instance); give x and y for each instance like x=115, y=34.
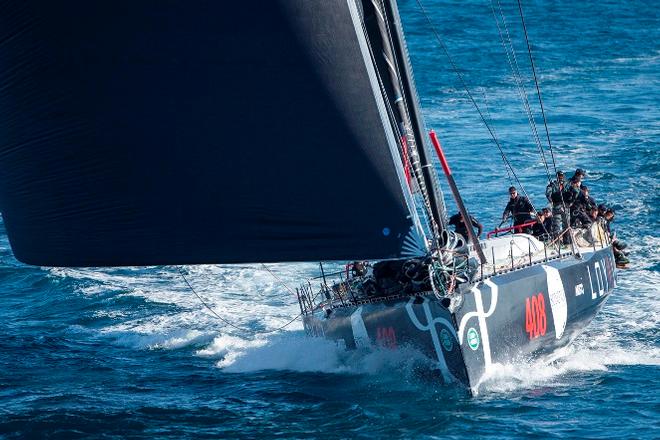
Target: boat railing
x=333, y=287
x=515, y=229
x=338, y=288
x=519, y=258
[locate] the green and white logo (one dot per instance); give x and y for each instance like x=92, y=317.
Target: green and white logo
x=446, y=340
x=473, y=338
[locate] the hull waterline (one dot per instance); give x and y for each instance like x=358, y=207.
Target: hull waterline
x=524, y=314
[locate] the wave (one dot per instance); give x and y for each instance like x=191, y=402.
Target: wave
x=300, y=353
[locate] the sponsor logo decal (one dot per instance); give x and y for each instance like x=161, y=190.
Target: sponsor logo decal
x=600, y=287
x=558, y=303
x=481, y=338
x=360, y=334
x=446, y=340
x=579, y=289
x=473, y=338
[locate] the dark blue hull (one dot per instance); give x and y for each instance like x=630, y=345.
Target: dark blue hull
x=526, y=313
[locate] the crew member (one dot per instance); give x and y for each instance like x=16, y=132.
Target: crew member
x=543, y=225
x=584, y=218
x=520, y=208
x=618, y=246
x=584, y=201
x=556, y=186
x=459, y=226
x=579, y=175
x=571, y=194
x=553, y=192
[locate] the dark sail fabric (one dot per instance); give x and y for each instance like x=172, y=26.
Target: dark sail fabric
x=182, y=132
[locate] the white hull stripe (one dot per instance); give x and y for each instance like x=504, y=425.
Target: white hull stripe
x=430, y=327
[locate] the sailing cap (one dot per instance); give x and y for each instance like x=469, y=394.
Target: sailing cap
x=512, y=189
x=580, y=172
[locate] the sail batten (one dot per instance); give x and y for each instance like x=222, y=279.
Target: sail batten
x=195, y=132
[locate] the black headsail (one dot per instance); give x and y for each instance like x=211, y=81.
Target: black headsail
x=179, y=132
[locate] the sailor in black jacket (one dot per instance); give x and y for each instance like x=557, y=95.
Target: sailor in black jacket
x=520, y=208
x=584, y=201
x=571, y=194
x=543, y=226
x=456, y=220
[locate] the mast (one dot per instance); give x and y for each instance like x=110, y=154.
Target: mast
x=436, y=196
x=405, y=99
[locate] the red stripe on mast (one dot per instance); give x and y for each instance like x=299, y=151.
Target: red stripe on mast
x=406, y=162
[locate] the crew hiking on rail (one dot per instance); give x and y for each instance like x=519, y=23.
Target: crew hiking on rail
x=571, y=206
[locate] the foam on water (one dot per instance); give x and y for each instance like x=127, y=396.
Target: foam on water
x=252, y=298
x=295, y=351
x=131, y=352
x=590, y=354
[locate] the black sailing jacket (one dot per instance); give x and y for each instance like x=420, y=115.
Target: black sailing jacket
x=520, y=208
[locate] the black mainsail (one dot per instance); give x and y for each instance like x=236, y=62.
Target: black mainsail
x=144, y=133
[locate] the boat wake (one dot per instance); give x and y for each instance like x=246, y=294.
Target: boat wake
x=564, y=370
x=152, y=310
x=298, y=352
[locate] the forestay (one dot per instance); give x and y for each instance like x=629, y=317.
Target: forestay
x=179, y=132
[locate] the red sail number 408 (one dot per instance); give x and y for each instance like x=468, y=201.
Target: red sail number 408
x=535, y=318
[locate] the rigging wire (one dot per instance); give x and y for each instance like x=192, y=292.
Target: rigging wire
x=545, y=122
x=490, y=118
x=207, y=306
x=538, y=89
x=279, y=279
x=512, y=60
x=476, y=106
x=469, y=94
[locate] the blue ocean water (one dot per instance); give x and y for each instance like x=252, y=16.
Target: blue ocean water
x=130, y=352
